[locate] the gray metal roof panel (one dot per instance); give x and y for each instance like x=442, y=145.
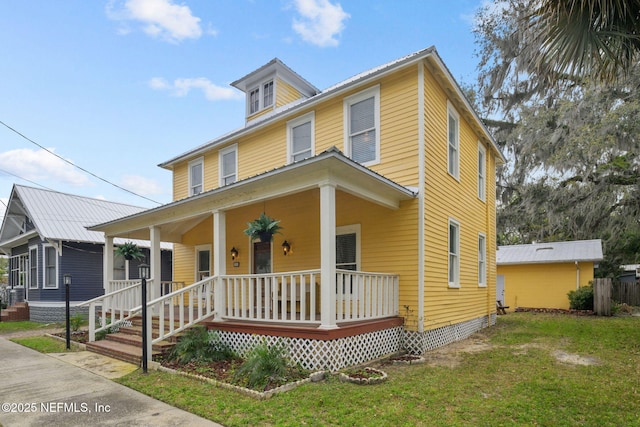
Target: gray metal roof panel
x=555, y=252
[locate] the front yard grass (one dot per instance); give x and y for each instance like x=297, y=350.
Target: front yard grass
x=45, y=344
x=25, y=325
x=530, y=369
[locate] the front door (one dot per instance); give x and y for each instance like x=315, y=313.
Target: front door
x=261, y=257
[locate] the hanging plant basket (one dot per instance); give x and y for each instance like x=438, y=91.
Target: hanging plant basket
x=129, y=251
x=263, y=228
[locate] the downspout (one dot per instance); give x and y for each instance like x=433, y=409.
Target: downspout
x=421, y=197
x=577, y=275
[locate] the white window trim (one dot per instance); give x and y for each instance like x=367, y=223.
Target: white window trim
x=350, y=229
x=482, y=279
x=44, y=267
x=353, y=99
x=199, y=249
x=31, y=248
x=456, y=282
x=199, y=160
x=221, y=153
x=260, y=87
x=482, y=175
x=309, y=117
x=452, y=111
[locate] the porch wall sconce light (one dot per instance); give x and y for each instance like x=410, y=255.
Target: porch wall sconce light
x=286, y=247
x=234, y=253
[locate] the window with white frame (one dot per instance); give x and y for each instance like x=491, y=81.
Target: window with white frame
x=267, y=94
x=50, y=268
x=482, y=260
x=254, y=100
x=362, y=126
x=33, y=267
x=482, y=179
x=454, y=254
x=196, y=176
x=300, y=137
x=453, y=137
x=228, y=165
x=119, y=267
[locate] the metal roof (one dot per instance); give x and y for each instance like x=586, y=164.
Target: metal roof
x=555, y=252
x=59, y=216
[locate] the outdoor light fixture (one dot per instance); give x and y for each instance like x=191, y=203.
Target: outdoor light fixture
x=67, y=279
x=286, y=247
x=143, y=271
x=234, y=253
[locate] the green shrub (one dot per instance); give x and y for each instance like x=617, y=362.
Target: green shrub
x=582, y=298
x=200, y=346
x=76, y=321
x=263, y=365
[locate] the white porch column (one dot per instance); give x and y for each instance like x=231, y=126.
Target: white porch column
x=107, y=263
x=328, y=256
x=155, y=261
x=219, y=263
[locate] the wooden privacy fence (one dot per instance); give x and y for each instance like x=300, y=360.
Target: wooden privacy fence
x=606, y=290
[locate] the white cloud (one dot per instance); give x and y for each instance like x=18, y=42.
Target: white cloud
x=182, y=87
x=160, y=18
x=320, y=21
x=141, y=185
x=41, y=167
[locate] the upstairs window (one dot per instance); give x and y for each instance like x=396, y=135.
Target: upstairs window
x=362, y=126
x=267, y=94
x=300, y=137
x=482, y=179
x=254, y=100
x=228, y=165
x=454, y=142
x=196, y=176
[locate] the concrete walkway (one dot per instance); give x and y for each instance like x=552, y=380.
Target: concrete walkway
x=72, y=389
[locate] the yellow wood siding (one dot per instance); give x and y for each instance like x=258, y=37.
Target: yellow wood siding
x=543, y=285
x=285, y=93
x=448, y=198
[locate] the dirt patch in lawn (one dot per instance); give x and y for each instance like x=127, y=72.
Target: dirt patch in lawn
x=451, y=355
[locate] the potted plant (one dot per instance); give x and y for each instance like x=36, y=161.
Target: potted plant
x=263, y=228
x=129, y=251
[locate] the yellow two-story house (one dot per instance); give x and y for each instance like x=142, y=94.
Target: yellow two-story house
x=384, y=186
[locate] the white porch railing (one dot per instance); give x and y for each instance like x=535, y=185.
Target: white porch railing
x=362, y=295
x=281, y=297
x=115, y=308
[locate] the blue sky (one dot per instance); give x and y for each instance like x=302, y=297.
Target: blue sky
x=117, y=87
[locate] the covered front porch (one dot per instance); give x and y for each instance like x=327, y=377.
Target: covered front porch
x=320, y=283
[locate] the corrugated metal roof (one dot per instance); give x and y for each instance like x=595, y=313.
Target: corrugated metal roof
x=577, y=250
x=61, y=216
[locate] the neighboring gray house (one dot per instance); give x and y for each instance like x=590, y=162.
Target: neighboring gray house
x=44, y=235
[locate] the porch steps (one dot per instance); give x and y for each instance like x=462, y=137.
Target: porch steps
x=17, y=312
x=126, y=344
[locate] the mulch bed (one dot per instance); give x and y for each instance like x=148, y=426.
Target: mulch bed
x=555, y=311
x=76, y=336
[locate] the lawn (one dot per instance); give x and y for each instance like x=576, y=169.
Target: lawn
x=25, y=325
x=530, y=369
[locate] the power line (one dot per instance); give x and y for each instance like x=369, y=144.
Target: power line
x=76, y=166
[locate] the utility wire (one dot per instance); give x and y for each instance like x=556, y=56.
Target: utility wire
x=76, y=166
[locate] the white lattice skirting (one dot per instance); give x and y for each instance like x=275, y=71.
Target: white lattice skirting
x=340, y=353
x=419, y=342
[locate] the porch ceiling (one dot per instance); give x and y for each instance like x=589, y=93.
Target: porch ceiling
x=330, y=167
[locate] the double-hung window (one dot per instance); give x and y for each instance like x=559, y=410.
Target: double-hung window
x=454, y=254
x=228, y=165
x=482, y=260
x=362, y=126
x=33, y=267
x=196, y=176
x=254, y=100
x=300, y=137
x=267, y=94
x=50, y=268
x=482, y=179
x=453, y=132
